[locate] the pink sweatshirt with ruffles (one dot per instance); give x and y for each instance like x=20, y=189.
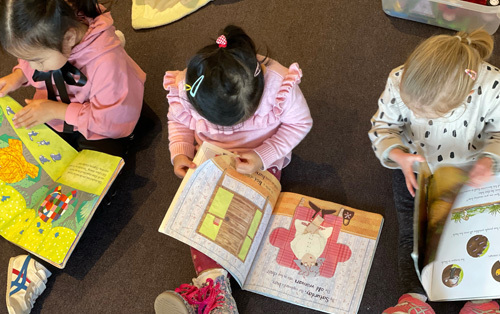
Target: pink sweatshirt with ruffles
x=109, y=104
x=281, y=121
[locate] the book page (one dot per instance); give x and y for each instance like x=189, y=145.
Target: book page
x=205, y=152
x=315, y=254
x=467, y=263
x=223, y=213
x=37, y=213
x=91, y=171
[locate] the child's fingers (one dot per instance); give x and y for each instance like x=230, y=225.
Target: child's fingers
x=419, y=158
x=3, y=89
x=22, y=113
x=25, y=120
x=411, y=181
x=244, y=155
x=410, y=188
x=243, y=167
x=30, y=124
x=180, y=172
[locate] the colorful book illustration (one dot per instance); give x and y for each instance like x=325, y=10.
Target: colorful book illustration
x=286, y=246
x=457, y=236
x=48, y=190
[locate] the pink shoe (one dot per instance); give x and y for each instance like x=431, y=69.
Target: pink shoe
x=480, y=308
x=410, y=305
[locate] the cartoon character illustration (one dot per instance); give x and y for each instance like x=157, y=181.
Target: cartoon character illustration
x=310, y=238
x=43, y=159
x=43, y=142
x=13, y=166
x=495, y=271
x=31, y=134
x=55, y=157
x=9, y=111
x=310, y=244
x=454, y=277
x=55, y=205
x=465, y=216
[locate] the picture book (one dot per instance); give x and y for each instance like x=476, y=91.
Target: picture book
x=287, y=246
x=457, y=236
x=48, y=190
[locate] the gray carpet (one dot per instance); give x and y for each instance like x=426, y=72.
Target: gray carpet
x=346, y=50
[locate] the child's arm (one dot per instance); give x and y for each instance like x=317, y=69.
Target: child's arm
x=482, y=171
x=38, y=111
x=489, y=162
x=405, y=162
x=387, y=126
x=296, y=122
x=181, y=146
x=385, y=135
x=180, y=137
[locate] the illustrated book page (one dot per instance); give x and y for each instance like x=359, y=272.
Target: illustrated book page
x=48, y=191
x=223, y=213
x=315, y=254
x=466, y=263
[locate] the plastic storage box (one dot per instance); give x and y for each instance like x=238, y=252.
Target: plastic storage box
x=453, y=14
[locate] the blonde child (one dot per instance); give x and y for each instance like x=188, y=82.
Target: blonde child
x=238, y=100
x=87, y=88
x=442, y=107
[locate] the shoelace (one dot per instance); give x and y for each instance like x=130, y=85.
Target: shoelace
x=206, y=298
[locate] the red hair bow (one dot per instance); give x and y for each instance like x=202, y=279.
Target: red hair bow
x=222, y=41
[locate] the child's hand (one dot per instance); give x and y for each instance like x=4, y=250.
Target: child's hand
x=181, y=165
x=38, y=111
x=248, y=162
x=405, y=161
x=481, y=172
x=11, y=82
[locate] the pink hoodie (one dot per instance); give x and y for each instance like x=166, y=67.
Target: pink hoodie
x=281, y=121
x=109, y=104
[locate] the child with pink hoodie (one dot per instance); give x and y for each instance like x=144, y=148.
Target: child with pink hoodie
x=231, y=97
x=87, y=89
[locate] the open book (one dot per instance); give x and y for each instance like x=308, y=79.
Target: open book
x=48, y=190
x=457, y=236
x=286, y=246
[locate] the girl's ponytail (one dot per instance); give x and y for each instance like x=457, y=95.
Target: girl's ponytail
x=238, y=40
x=231, y=79
x=482, y=42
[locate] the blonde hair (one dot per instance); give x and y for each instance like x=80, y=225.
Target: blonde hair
x=434, y=77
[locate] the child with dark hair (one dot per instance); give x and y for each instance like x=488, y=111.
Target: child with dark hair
x=243, y=102
x=87, y=88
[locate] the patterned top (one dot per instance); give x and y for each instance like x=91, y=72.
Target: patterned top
x=458, y=138
x=281, y=121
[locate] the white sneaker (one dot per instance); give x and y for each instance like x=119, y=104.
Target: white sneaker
x=26, y=279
